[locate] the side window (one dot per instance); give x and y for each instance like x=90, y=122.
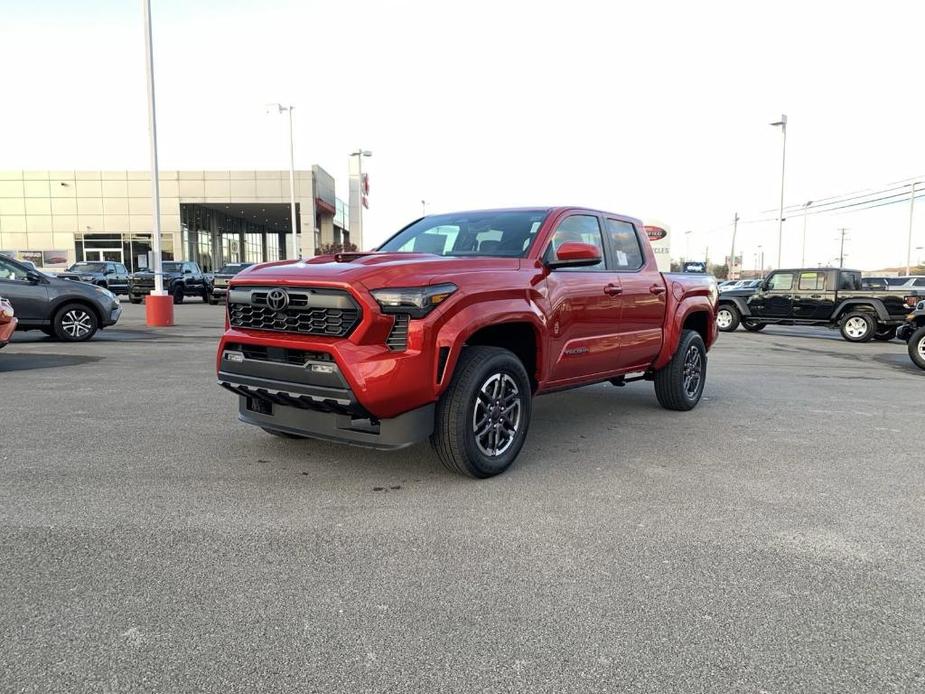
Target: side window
x=121, y=269
x=583, y=228
x=8, y=271
x=920, y=282
x=812, y=280
x=780, y=281
x=625, y=244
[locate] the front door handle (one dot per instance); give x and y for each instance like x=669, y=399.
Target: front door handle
x=815, y=296
x=657, y=289
x=613, y=290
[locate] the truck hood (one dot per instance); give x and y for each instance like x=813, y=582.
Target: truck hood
x=374, y=270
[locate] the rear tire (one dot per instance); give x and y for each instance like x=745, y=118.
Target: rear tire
x=858, y=326
x=727, y=318
x=483, y=416
x=75, y=323
x=754, y=327
x=886, y=334
x=679, y=384
x=917, y=347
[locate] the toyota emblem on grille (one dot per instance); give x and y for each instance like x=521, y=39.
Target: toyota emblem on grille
x=277, y=299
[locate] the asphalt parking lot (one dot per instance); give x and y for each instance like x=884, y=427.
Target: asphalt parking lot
x=769, y=541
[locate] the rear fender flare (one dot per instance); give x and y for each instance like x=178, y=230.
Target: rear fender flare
x=675, y=325
x=846, y=305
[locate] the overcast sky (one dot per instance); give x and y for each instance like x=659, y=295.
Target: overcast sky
x=654, y=109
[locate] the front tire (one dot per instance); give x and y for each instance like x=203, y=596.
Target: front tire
x=75, y=323
x=134, y=299
x=211, y=298
x=177, y=294
x=727, y=318
x=858, y=327
x=917, y=347
x=483, y=416
x=679, y=384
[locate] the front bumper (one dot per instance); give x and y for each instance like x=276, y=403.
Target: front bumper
x=312, y=398
x=113, y=317
x=219, y=291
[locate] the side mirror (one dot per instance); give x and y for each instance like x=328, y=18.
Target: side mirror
x=33, y=277
x=575, y=254
x=187, y=271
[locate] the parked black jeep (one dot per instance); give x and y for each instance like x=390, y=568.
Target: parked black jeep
x=181, y=279
x=913, y=331
x=831, y=297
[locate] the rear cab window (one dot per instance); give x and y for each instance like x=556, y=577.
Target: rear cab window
x=624, y=241
x=812, y=281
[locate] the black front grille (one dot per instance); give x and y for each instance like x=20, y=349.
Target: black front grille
x=397, y=340
x=279, y=355
x=328, y=312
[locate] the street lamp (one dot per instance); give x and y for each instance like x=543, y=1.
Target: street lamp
x=423, y=208
x=803, y=256
x=783, y=167
x=687, y=245
x=296, y=248
x=158, y=306
x=911, y=214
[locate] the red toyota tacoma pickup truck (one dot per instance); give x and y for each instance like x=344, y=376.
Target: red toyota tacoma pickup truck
x=450, y=327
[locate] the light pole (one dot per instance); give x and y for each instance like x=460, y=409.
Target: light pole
x=909, y=244
x=803, y=255
x=761, y=258
x=158, y=307
x=423, y=208
x=296, y=247
x=687, y=245
x=783, y=167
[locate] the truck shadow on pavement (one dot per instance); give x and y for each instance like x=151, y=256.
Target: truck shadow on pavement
x=27, y=362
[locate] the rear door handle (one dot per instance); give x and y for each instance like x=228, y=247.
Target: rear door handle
x=657, y=289
x=613, y=290
x=815, y=296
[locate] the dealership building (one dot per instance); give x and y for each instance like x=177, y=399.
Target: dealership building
x=55, y=218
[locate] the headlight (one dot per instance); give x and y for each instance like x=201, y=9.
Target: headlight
x=415, y=301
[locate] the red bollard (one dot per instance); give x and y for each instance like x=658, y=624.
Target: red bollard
x=159, y=310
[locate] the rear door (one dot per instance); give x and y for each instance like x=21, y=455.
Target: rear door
x=777, y=300
x=584, y=306
x=812, y=298
x=643, y=314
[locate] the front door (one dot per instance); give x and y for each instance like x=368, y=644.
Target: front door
x=28, y=298
x=584, y=308
x=776, y=300
x=643, y=296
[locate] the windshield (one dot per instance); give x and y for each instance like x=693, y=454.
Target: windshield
x=87, y=267
x=896, y=281
x=233, y=269
x=500, y=234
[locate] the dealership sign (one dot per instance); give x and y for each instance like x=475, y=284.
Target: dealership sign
x=660, y=237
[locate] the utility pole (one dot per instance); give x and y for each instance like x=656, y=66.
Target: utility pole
x=909, y=244
x=803, y=256
x=841, y=250
x=732, y=251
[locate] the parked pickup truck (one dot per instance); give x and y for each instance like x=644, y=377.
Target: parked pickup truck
x=817, y=296
x=913, y=332
x=181, y=280
x=450, y=327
